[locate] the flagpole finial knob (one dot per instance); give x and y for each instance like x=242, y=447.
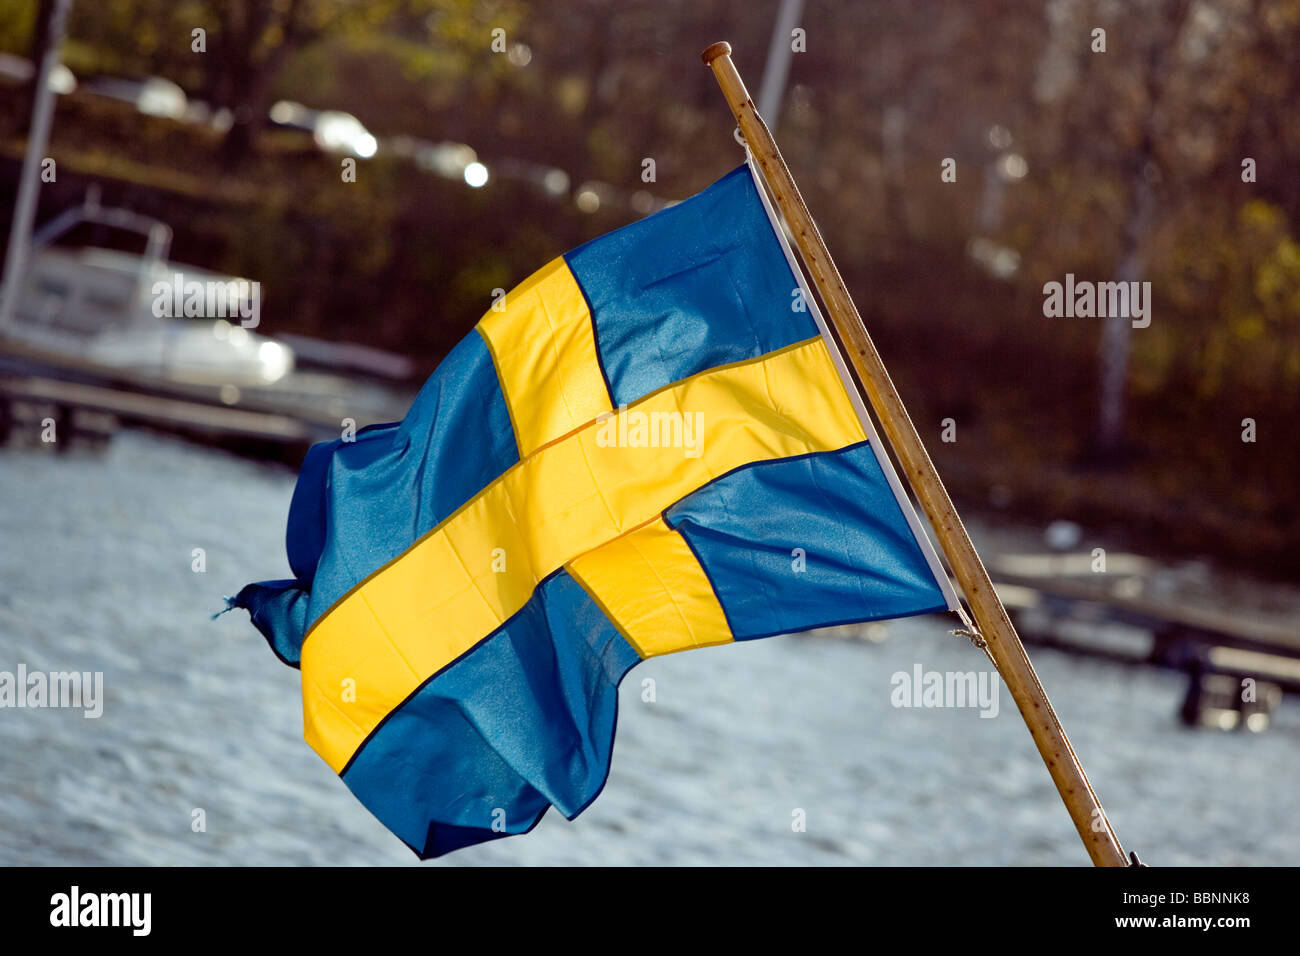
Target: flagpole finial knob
x=721, y=48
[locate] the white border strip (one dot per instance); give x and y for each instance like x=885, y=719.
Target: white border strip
x=900, y=495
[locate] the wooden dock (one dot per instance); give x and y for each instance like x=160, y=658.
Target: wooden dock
x=88, y=402
x=1237, y=664
x=130, y=408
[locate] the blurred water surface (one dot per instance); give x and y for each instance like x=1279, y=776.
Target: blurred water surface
x=96, y=571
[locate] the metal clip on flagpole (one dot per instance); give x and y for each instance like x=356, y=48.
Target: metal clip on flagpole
x=992, y=624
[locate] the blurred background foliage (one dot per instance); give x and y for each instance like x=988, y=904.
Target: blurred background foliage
x=1068, y=160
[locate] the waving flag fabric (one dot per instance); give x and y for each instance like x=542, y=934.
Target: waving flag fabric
x=647, y=448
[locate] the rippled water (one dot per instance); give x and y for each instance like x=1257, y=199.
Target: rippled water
x=96, y=571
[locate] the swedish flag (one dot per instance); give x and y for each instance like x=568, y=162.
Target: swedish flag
x=648, y=446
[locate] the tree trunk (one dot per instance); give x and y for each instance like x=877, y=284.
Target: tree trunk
x=1116, y=339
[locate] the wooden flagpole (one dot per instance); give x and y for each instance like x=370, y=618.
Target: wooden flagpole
x=1003, y=644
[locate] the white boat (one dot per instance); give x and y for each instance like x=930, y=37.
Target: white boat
x=124, y=311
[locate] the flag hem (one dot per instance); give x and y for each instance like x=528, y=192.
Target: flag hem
x=837, y=358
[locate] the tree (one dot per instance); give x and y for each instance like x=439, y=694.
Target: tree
x=254, y=40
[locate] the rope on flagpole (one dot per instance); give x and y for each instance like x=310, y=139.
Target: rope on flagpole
x=970, y=630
